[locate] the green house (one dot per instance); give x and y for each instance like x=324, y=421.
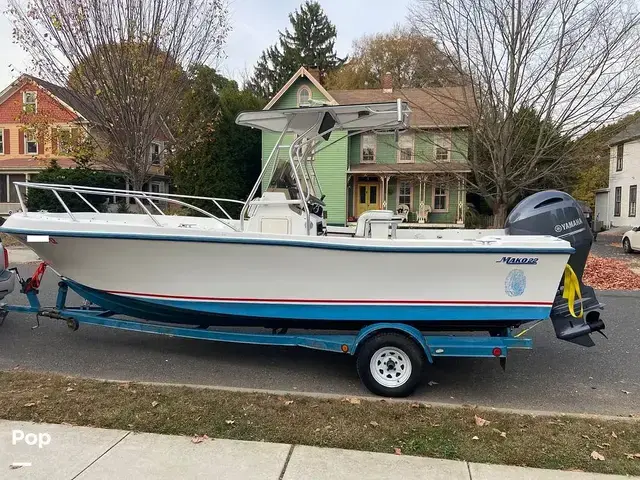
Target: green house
x=419, y=173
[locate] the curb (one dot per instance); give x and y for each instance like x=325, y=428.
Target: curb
x=334, y=396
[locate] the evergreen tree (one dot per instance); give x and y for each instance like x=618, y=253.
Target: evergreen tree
x=310, y=42
x=214, y=156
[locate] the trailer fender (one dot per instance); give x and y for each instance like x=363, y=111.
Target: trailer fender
x=405, y=329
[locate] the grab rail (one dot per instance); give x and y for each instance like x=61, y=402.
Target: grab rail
x=138, y=196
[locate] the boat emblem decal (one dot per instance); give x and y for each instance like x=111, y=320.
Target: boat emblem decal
x=518, y=260
x=515, y=283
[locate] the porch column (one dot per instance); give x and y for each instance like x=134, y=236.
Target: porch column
x=461, y=201
x=422, y=210
x=385, y=191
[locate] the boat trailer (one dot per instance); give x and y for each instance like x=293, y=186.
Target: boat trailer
x=363, y=344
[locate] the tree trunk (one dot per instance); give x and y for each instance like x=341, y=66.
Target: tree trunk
x=499, y=214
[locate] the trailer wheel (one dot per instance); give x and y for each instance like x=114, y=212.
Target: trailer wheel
x=390, y=364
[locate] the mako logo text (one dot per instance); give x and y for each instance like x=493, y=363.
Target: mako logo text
x=518, y=260
x=40, y=440
x=561, y=227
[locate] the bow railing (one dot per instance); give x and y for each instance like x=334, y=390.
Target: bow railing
x=138, y=196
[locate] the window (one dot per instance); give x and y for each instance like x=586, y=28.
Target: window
x=30, y=102
x=64, y=141
x=619, y=157
x=617, y=202
x=440, y=198
x=13, y=194
x=404, y=193
x=405, y=148
x=156, y=148
x=442, y=147
x=368, y=148
x=30, y=142
x=1, y=140
x=155, y=187
x=304, y=95
x=633, y=192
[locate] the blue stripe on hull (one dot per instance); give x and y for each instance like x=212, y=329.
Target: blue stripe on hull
x=398, y=247
x=360, y=312
x=170, y=310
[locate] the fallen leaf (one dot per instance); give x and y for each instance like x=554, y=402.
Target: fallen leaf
x=353, y=401
x=229, y=422
x=397, y=451
x=373, y=423
x=30, y=404
x=586, y=436
x=626, y=392
x=431, y=383
x=481, y=422
x=288, y=402
x=475, y=437
x=632, y=456
x=199, y=438
x=613, y=435
x=596, y=456
x=609, y=274
x=503, y=434
x=69, y=389
x=415, y=405
x=155, y=404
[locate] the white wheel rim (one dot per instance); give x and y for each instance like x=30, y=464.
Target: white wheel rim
x=390, y=367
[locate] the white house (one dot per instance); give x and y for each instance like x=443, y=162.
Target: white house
x=616, y=206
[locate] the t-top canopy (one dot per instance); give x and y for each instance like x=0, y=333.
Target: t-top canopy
x=368, y=116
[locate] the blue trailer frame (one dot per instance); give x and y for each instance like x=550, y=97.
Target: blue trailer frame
x=433, y=346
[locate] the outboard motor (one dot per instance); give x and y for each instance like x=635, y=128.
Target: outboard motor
x=558, y=214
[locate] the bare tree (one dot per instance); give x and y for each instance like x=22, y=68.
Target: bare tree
x=541, y=72
x=123, y=63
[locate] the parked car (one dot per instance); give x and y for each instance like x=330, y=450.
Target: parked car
x=631, y=240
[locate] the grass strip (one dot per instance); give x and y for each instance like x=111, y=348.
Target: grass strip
x=562, y=442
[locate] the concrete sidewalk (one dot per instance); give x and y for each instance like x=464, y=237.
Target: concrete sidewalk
x=66, y=452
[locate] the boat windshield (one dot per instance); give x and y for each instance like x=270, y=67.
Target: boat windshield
x=283, y=178
x=284, y=175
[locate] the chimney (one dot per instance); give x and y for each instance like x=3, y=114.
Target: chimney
x=315, y=72
x=387, y=83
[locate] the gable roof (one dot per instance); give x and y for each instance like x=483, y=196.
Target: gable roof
x=430, y=107
x=69, y=99
x=302, y=72
x=61, y=94
x=631, y=132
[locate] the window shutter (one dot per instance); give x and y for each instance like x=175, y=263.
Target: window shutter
x=41, y=144
x=6, y=140
x=21, y=142
x=54, y=141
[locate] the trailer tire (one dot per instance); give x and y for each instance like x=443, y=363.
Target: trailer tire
x=390, y=364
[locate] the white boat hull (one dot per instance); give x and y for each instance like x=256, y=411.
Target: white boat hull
x=226, y=274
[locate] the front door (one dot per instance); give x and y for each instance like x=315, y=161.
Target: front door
x=367, y=197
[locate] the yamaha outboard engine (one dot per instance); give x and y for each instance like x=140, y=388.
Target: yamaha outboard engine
x=558, y=214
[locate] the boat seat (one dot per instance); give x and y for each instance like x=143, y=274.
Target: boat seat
x=375, y=223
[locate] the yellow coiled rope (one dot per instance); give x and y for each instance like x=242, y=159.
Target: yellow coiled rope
x=571, y=290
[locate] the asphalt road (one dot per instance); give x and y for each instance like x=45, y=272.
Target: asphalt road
x=555, y=375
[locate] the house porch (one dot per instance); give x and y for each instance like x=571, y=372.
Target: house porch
x=426, y=200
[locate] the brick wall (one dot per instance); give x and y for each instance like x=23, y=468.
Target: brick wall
x=11, y=108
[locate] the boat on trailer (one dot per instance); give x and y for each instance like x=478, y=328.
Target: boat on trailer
x=280, y=266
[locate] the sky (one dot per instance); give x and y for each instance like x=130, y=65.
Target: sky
x=255, y=25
